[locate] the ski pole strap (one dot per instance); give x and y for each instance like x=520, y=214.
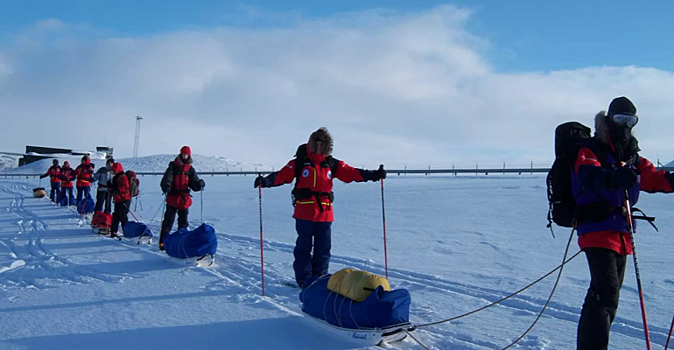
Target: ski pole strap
x=644, y=217
x=550, y=222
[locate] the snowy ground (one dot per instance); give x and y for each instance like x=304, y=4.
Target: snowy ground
x=456, y=243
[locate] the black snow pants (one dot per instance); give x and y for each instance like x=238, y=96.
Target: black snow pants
x=607, y=270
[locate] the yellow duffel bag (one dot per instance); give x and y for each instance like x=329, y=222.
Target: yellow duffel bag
x=335, y=281
x=355, y=284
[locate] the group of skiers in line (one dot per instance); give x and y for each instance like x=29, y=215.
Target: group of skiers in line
x=607, y=166
x=114, y=186
x=62, y=179
x=119, y=187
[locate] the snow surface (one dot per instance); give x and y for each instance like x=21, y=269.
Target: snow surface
x=155, y=163
x=456, y=243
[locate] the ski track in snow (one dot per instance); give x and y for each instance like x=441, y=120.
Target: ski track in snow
x=237, y=267
x=418, y=282
x=43, y=269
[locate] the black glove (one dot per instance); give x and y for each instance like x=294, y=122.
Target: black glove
x=202, y=185
x=259, y=181
x=165, y=190
x=380, y=173
x=623, y=178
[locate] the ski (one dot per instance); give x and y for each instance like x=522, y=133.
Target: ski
x=144, y=240
x=291, y=284
x=206, y=260
x=115, y=236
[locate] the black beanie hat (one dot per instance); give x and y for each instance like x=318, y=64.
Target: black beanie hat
x=622, y=105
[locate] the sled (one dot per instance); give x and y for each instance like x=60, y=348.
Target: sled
x=364, y=336
x=100, y=223
x=39, y=192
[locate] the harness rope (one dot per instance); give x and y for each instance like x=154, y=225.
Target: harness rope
x=560, y=268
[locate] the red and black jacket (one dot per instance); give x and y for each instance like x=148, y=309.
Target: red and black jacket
x=120, y=186
x=84, y=173
x=54, y=173
x=67, y=176
x=591, y=171
x=315, y=179
x=179, y=178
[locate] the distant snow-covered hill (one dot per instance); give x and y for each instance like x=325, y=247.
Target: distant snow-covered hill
x=201, y=163
x=8, y=162
x=155, y=163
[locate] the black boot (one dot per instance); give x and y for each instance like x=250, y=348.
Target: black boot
x=161, y=240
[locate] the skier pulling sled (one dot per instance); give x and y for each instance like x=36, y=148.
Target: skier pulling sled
x=358, y=305
x=200, y=244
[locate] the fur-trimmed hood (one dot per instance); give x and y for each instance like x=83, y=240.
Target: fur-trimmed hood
x=179, y=160
x=324, y=136
x=601, y=128
x=625, y=149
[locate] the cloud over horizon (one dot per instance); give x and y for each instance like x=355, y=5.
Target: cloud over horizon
x=394, y=88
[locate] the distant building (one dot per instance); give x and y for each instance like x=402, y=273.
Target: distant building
x=106, y=150
x=35, y=153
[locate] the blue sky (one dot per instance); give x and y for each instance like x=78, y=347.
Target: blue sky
x=400, y=82
x=524, y=35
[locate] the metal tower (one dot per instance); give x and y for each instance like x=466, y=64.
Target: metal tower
x=135, y=143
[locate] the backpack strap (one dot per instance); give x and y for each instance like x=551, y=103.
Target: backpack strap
x=305, y=193
x=334, y=164
x=178, y=170
x=299, y=165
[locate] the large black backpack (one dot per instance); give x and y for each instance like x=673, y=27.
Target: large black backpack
x=568, y=141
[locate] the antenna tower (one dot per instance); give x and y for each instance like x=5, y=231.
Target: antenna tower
x=137, y=138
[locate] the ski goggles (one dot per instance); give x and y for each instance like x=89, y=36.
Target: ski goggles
x=625, y=119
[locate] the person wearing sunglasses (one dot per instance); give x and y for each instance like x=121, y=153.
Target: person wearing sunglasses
x=608, y=165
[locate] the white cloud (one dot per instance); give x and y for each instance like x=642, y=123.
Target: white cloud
x=393, y=88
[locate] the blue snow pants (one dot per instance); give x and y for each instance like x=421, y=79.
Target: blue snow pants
x=55, y=190
x=310, y=235
x=83, y=193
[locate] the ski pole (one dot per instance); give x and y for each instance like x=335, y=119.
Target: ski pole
x=131, y=212
x=669, y=337
x=628, y=210
x=82, y=211
x=261, y=243
x=383, y=215
x=202, y=205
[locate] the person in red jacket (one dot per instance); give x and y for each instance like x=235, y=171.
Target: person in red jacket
x=84, y=173
x=121, y=196
x=67, y=177
x=313, y=196
x=179, y=178
x=54, y=173
x=609, y=166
